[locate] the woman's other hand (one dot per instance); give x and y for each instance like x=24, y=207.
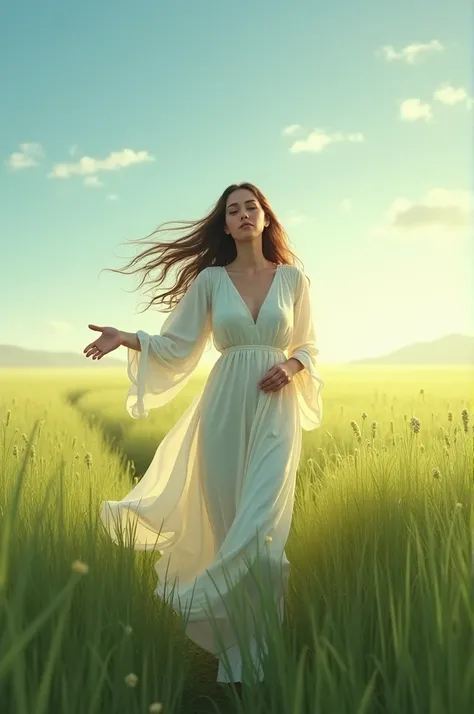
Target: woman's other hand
x=280, y=375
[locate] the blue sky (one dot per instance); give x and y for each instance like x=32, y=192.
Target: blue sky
x=354, y=118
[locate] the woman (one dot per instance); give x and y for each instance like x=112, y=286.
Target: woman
x=219, y=491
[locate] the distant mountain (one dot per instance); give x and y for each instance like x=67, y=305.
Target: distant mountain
x=448, y=350
x=11, y=356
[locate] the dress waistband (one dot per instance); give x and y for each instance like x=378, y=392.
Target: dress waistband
x=265, y=348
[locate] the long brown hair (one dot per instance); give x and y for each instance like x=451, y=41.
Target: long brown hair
x=205, y=244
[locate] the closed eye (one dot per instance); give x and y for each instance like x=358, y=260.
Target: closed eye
x=251, y=208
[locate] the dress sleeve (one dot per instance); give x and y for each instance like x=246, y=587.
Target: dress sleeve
x=303, y=347
x=166, y=361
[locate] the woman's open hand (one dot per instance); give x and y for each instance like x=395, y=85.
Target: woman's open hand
x=110, y=339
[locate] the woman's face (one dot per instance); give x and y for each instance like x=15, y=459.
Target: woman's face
x=244, y=216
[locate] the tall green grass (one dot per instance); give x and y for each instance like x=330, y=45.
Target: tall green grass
x=379, y=617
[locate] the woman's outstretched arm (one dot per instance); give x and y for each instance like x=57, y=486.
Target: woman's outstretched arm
x=159, y=365
x=130, y=340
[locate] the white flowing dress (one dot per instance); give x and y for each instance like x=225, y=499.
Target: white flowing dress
x=223, y=479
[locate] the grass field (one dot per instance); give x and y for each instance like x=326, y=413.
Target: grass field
x=379, y=617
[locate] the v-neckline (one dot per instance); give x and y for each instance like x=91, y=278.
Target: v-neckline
x=255, y=321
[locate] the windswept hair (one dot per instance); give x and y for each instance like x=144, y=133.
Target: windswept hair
x=204, y=244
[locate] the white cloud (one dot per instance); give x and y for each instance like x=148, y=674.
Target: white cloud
x=414, y=110
x=29, y=155
x=72, y=151
x=410, y=54
x=294, y=218
x=346, y=205
x=112, y=197
x=318, y=140
x=60, y=327
x=441, y=212
x=92, y=181
x=292, y=129
x=115, y=161
x=448, y=94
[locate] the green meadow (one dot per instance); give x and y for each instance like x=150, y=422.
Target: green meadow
x=379, y=617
